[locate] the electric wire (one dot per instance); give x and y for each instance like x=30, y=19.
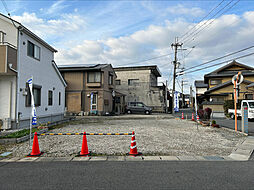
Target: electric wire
x=219, y=58
x=209, y=24
x=5, y=6
x=202, y=19
x=207, y=21
x=145, y=60
x=217, y=64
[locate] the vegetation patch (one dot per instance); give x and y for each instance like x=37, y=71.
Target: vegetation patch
x=19, y=134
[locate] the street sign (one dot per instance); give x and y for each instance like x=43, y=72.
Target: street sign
x=239, y=81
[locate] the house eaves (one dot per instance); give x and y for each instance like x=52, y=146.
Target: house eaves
x=224, y=85
x=200, y=84
x=58, y=73
x=82, y=67
x=250, y=85
x=153, y=68
x=248, y=71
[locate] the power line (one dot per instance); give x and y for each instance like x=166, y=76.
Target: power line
x=149, y=59
x=207, y=21
x=218, y=63
x=202, y=19
x=219, y=58
x=5, y=6
x=211, y=21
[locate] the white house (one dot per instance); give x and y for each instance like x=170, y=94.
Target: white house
x=22, y=55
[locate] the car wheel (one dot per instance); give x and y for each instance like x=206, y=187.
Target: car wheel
x=147, y=112
x=129, y=111
x=232, y=116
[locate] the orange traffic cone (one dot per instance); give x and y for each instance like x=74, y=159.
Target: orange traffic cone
x=182, y=116
x=198, y=118
x=133, y=148
x=84, y=149
x=35, y=149
x=192, y=117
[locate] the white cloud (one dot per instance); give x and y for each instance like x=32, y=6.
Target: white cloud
x=227, y=34
x=56, y=7
x=67, y=23
x=181, y=10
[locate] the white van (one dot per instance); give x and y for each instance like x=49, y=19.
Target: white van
x=250, y=106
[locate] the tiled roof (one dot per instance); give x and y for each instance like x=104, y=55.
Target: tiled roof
x=82, y=67
x=153, y=68
x=223, y=85
x=200, y=84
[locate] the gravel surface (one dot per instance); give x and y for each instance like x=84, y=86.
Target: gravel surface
x=154, y=136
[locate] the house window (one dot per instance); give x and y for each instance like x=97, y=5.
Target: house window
x=94, y=102
x=215, y=81
x=249, y=96
x=36, y=93
x=132, y=82
x=118, y=82
x=59, y=98
x=106, y=102
x=94, y=77
x=33, y=50
x=117, y=100
x=110, y=79
x=50, y=97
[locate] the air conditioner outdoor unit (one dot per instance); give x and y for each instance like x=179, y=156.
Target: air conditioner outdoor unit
x=6, y=123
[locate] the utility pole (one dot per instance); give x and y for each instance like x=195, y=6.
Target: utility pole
x=182, y=94
x=175, y=46
x=166, y=97
x=191, y=99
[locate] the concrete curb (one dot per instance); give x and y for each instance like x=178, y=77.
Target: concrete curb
x=232, y=157
x=244, y=150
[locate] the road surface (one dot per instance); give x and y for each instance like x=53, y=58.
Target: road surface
x=127, y=175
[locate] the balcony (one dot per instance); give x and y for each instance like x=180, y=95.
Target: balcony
x=8, y=56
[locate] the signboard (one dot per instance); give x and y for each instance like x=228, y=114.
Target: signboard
x=176, y=102
x=239, y=81
x=245, y=119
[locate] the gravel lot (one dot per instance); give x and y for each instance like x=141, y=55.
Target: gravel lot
x=154, y=136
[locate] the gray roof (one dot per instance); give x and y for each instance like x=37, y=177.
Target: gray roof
x=221, y=72
x=82, y=67
x=223, y=85
x=250, y=85
x=153, y=68
x=200, y=84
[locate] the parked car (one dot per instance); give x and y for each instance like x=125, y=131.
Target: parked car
x=138, y=107
x=249, y=104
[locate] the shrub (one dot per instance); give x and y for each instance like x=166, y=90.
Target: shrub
x=207, y=113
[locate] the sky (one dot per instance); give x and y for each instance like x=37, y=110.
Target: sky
x=125, y=33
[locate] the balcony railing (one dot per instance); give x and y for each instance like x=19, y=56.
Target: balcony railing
x=8, y=59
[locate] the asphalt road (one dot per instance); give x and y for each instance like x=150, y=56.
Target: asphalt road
x=230, y=123
x=127, y=175
x=223, y=122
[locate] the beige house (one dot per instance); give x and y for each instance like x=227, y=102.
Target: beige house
x=140, y=84
x=91, y=89
x=220, y=87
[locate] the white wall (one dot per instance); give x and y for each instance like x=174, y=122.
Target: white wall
x=43, y=74
x=7, y=97
x=10, y=30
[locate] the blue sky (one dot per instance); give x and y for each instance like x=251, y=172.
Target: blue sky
x=123, y=32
